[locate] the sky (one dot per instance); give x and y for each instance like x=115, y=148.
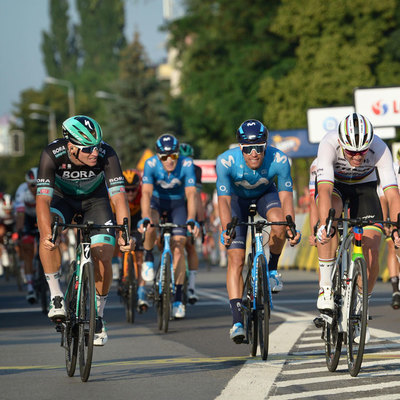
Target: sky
x=21, y=26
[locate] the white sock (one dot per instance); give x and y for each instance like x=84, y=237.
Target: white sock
x=325, y=270
x=53, y=280
x=192, y=280
x=29, y=280
x=101, y=303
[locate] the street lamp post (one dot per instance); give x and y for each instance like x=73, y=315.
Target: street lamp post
x=52, y=134
x=71, y=92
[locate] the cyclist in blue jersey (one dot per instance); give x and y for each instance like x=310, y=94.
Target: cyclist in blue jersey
x=167, y=179
x=252, y=172
x=74, y=175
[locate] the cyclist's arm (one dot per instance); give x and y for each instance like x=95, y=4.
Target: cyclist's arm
x=44, y=220
x=191, y=194
x=224, y=208
x=147, y=192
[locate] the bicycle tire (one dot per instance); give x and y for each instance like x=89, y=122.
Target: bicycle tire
x=263, y=308
x=357, y=316
x=251, y=328
x=166, y=294
x=87, y=320
x=131, y=298
x=158, y=298
x=71, y=334
x=334, y=338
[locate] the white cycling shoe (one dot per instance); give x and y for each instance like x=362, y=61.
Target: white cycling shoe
x=275, y=282
x=325, y=301
x=148, y=271
x=178, y=310
x=100, y=336
x=57, y=309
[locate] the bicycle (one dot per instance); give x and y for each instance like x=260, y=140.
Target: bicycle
x=350, y=293
x=164, y=283
x=78, y=328
x=10, y=260
x=257, y=297
x=129, y=285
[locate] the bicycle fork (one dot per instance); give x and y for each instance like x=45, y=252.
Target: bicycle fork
x=167, y=252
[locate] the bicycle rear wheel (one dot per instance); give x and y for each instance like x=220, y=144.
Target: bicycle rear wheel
x=71, y=328
x=131, y=293
x=87, y=320
x=166, y=294
x=357, y=322
x=263, y=308
x=334, y=338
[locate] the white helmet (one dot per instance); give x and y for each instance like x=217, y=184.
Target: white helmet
x=355, y=132
x=31, y=175
x=7, y=202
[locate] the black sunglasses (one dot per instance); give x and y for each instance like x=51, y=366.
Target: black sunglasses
x=259, y=148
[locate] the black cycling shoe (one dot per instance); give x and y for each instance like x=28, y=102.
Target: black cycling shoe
x=396, y=300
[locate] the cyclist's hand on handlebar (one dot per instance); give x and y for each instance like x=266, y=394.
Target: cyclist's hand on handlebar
x=193, y=227
x=142, y=224
x=322, y=235
x=126, y=247
x=46, y=242
x=226, y=239
x=312, y=240
x=294, y=240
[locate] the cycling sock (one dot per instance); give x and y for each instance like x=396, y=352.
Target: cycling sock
x=273, y=261
x=325, y=270
x=29, y=282
x=192, y=279
x=178, y=293
x=236, y=308
x=53, y=280
x=394, y=280
x=101, y=303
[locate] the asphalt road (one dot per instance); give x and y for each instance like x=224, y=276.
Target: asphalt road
x=196, y=358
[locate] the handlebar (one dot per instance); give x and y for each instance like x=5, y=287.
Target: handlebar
x=88, y=226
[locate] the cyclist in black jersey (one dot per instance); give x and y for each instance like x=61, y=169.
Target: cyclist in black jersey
x=74, y=175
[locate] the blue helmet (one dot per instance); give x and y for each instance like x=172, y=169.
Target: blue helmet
x=167, y=144
x=252, y=131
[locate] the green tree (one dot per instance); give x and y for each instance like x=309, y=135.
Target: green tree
x=225, y=49
x=339, y=45
x=60, y=53
x=138, y=114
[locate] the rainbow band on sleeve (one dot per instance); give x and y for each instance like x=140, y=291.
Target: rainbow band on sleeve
x=329, y=182
x=390, y=187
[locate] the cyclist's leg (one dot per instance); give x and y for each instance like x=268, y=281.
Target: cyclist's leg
x=326, y=260
x=269, y=207
x=371, y=243
x=27, y=253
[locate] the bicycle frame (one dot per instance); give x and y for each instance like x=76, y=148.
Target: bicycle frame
x=258, y=249
x=166, y=252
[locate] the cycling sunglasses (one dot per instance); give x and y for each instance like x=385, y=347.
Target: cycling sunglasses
x=355, y=153
x=131, y=189
x=88, y=149
x=259, y=148
x=164, y=157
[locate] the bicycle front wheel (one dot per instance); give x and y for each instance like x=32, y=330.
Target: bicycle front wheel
x=131, y=300
x=263, y=307
x=357, y=318
x=87, y=320
x=334, y=338
x=71, y=328
x=166, y=294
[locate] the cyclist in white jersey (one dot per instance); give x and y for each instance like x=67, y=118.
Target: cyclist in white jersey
x=346, y=171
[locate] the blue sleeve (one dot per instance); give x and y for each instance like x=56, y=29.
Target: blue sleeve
x=282, y=169
x=189, y=172
x=223, y=178
x=148, y=173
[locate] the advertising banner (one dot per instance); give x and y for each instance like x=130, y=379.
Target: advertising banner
x=380, y=105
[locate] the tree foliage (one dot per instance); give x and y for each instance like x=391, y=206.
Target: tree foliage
x=225, y=48
x=339, y=45
x=138, y=114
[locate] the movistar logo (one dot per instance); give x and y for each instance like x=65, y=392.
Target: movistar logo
x=228, y=163
x=280, y=158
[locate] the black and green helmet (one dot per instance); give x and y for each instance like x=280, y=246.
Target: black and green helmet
x=82, y=131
